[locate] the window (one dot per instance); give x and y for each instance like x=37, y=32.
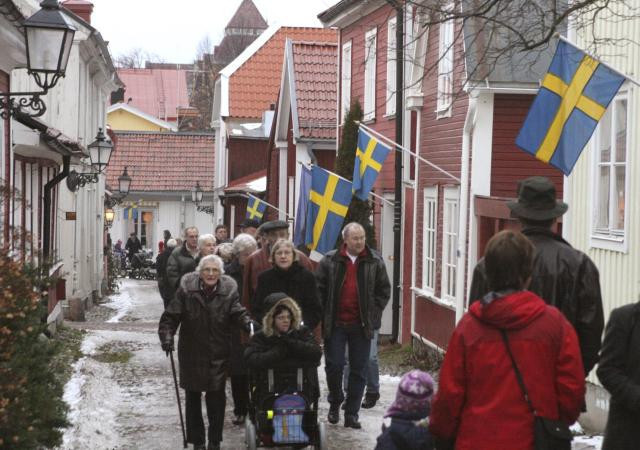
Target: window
x=429, y=225
x=449, y=243
x=345, y=86
x=609, y=215
x=391, y=67
x=370, y=74
x=445, y=68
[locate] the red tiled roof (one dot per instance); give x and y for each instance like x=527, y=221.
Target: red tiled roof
x=254, y=86
x=247, y=16
x=163, y=161
x=315, y=71
x=158, y=92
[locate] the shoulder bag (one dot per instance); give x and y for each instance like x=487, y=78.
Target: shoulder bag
x=548, y=434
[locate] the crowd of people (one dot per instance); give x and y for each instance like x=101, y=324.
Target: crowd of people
x=515, y=367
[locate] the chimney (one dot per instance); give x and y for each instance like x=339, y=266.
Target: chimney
x=81, y=8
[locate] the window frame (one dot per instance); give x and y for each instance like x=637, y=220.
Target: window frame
x=369, y=103
x=451, y=195
x=446, y=57
x=390, y=97
x=611, y=238
x=429, y=239
x=345, y=81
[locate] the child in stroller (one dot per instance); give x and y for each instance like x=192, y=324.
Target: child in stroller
x=283, y=361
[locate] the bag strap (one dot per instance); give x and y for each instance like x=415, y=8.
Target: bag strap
x=517, y=371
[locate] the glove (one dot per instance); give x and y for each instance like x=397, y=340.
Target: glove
x=167, y=344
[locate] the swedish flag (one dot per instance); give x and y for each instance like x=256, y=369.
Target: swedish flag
x=328, y=204
x=573, y=97
x=131, y=213
x=255, y=208
x=370, y=155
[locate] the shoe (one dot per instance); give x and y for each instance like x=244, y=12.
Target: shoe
x=352, y=422
x=370, y=400
x=238, y=420
x=334, y=414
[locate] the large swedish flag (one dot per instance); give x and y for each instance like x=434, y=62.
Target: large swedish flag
x=370, y=155
x=255, y=208
x=328, y=204
x=573, y=97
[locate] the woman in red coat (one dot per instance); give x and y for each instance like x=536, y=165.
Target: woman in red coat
x=479, y=404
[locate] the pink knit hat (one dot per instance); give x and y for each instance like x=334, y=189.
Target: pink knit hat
x=413, y=398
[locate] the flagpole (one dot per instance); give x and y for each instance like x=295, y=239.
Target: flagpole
x=404, y=149
x=633, y=80
x=269, y=204
x=381, y=198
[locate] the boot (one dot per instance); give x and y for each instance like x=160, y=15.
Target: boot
x=370, y=399
x=351, y=422
x=334, y=413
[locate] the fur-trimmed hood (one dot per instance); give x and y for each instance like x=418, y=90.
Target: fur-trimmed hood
x=296, y=322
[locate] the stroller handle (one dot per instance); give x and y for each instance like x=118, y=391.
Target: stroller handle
x=251, y=330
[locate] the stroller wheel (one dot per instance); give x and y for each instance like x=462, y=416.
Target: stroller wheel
x=322, y=443
x=250, y=435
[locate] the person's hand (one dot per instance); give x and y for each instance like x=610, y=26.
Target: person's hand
x=167, y=344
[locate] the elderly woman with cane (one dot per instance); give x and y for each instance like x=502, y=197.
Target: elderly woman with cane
x=206, y=307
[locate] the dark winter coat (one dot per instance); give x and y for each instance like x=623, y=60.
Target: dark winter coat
x=133, y=246
x=404, y=435
x=161, y=269
x=179, y=263
x=479, y=403
x=619, y=373
x=298, y=283
x=205, y=324
x=258, y=262
x=373, y=288
x=298, y=348
x=235, y=271
x=565, y=278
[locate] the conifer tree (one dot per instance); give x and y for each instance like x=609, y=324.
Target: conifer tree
x=359, y=210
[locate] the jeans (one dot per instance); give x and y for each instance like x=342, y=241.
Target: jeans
x=353, y=338
x=215, y=401
x=373, y=371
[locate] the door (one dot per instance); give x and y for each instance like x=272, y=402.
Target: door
x=386, y=248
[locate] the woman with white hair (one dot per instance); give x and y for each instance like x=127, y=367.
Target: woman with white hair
x=206, y=245
x=207, y=309
x=243, y=245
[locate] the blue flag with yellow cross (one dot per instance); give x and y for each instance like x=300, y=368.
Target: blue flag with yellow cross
x=370, y=154
x=574, y=95
x=329, y=201
x=255, y=208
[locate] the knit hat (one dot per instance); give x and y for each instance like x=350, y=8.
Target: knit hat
x=413, y=398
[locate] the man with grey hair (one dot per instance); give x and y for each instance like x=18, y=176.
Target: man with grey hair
x=354, y=289
x=182, y=259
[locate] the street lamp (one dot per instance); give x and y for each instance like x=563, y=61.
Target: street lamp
x=48, y=37
x=124, y=182
x=109, y=215
x=196, y=197
x=99, y=154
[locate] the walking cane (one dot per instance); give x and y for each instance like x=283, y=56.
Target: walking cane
x=175, y=383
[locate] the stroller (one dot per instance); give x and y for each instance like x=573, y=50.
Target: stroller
x=283, y=409
x=142, y=266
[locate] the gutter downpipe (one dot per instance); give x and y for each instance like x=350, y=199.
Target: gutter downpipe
x=469, y=124
x=46, y=220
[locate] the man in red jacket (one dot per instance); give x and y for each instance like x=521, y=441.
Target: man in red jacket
x=480, y=404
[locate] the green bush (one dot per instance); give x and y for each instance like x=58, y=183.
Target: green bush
x=32, y=411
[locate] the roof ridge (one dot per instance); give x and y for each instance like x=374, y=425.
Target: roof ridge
x=332, y=44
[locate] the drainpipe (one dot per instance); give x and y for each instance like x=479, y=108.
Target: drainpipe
x=46, y=221
x=469, y=123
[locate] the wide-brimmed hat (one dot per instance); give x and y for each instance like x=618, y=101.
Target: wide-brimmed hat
x=537, y=200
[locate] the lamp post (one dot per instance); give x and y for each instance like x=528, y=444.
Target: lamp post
x=99, y=153
x=48, y=37
x=196, y=197
x=109, y=215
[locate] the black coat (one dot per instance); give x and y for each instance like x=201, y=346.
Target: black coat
x=404, y=435
x=373, y=289
x=133, y=246
x=619, y=372
x=161, y=268
x=565, y=278
x=298, y=283
x=180, y=262
x=235, y=271
x=205, y=324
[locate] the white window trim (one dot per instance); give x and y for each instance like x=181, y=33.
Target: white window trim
x=451, y=193
x=600, y=240
x=430, y=194
x=345, y=78
x=390, y=97
x=444, y=102
x=370, y=85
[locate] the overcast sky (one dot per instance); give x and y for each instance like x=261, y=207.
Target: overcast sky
x=172, y=29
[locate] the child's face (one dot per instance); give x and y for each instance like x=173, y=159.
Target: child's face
x=283, y=321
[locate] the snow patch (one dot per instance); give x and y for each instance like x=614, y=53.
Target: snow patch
x=122, y=302
x=587, y=442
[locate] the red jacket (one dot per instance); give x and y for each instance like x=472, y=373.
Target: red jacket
x=479, y=402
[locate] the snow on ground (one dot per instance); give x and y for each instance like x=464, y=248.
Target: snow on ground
x=121, y=302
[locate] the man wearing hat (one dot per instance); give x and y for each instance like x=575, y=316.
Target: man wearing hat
x=564, y=277
x=249, y=226
x=260, y=260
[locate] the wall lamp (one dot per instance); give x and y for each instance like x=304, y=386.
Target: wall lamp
x=196, y=197
x=99, y=153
